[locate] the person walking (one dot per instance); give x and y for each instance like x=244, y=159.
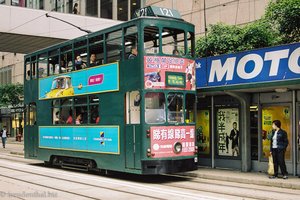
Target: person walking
x=279, y=143
x=4, y=134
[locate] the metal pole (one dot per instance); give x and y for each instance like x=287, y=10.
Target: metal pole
x=212, y=133
x=294, y=136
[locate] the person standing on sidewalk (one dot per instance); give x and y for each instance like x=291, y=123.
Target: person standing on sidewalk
x=4, y=134
x=279, y=143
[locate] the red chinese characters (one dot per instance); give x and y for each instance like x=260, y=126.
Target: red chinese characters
x=163, y=139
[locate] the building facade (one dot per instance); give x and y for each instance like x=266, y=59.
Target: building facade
x=239, y=96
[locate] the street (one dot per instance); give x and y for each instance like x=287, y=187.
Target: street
x=28, y=179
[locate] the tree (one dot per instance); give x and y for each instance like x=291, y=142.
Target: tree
x=10, y=95
x=222, y=38
x=284, y=16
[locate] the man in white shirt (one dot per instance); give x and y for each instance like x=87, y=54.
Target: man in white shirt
x=4, y=134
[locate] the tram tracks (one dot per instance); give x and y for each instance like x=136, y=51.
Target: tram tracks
x=189, y=187
x=139, y=188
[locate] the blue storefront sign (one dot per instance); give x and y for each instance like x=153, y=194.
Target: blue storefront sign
x=273, y=64
x=104, y=78
x=97, y=139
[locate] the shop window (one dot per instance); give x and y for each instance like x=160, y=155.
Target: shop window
x=190, y=107
x=269, y=114
x=228, y=135
x=175, y=108
x=92, y=8
x=32, y=114
x=173, y=41
x=151, y=40
x=106, y=9
x=155, y=105
x=203, y=132
x=135, y=4
x=123, y=10
x=20, y=3
x=42, y=65
x=2, y=1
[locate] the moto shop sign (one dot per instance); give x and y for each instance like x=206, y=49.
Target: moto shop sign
x=257, y=66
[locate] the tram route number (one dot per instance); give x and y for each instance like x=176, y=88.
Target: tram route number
x=148, y=12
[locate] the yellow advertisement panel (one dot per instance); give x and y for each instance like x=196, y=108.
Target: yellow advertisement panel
x=202, y=126
x=269, y=114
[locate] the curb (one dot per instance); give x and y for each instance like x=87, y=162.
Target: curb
x=17, y=153
x=272, y=183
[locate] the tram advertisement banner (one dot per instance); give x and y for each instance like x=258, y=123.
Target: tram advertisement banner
x=169, y=73
x=228, y=132
x=163, y=139
x=104, y=78
x=98, y=139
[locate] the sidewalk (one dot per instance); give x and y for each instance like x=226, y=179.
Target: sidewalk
x=13, y=147
x=255, y=178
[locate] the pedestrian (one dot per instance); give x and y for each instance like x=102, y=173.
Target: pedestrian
x=75, y=9
x=4, y=134
x=279, y=143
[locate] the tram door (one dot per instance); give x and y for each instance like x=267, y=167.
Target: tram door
x=133, y=129
x=30, y=135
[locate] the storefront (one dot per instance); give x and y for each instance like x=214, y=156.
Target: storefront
x=239, y=95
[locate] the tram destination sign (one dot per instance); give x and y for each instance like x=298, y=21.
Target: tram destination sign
x=280, y=63
x=154, y=11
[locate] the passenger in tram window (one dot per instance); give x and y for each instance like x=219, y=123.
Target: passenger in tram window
x=93, y=61
x=78, y=119
x=58, y=119
x=70, y=118
x=134, y=53
x=175, y=52
x=79, y=64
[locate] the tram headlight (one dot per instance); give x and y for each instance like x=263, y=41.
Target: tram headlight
x=177, y=147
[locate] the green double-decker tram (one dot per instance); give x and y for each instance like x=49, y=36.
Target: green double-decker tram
x=120, y=99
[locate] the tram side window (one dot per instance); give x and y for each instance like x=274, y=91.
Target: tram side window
x=190, y=41
x=96, y=51
x=80, y=58
x=66, y=115
x=33, y=67
x=66, y=62
x=43, y=65
x=173, y=41
x=155, y=108
x=28, y=71
x=175, y=108
x=96, y=55
x=94, y=109
x=81, y=110
x=151, y=40
x=54, y=65
x=190, y=107
x=131, y=42
x=113, y=50
x=32, y=114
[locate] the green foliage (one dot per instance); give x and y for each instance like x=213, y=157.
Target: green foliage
x=10, y=95
x=281, y=24
x=222, y=38
x=284, y=15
